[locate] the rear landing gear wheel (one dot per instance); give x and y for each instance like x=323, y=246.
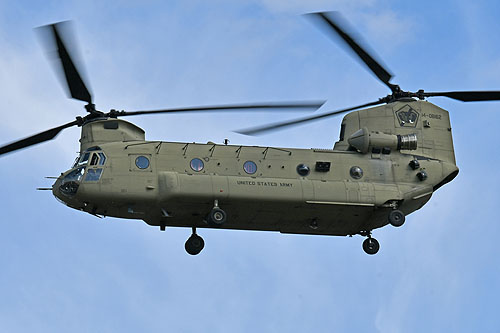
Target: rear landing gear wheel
x=194, y=244
x=396, y=218
x=371, y=246
x=217, y=216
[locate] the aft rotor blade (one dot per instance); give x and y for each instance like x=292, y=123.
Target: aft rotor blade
x=56, y=45
x=36, y=139
x=467, y=96
x=280, y=125
x=332, y=20
x=285, y=106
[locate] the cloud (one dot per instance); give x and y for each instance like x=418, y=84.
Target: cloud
x=388, y=28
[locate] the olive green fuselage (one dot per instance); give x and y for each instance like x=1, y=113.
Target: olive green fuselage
x=177, y=184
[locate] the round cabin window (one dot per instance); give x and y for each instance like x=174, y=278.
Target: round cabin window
x=142, y=162
x=196, y=164
x=356, y=172
x=303, y=170
x=250, y=167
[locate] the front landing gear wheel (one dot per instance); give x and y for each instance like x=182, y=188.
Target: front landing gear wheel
x=371, y=246
x=396, y=218
x=194, y=244
x=217, y=216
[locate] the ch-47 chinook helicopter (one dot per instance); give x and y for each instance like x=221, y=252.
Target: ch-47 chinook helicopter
x=388, y=162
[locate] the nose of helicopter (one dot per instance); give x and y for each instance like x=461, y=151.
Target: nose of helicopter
x=66, y=186
x=59, y=194
x=55, y=188
x=65, y=193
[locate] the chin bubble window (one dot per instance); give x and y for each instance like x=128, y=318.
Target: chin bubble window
x=250, y=167
x=142, y=162
x=196, y=164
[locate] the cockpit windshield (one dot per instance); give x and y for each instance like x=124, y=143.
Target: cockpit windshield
x=83, y=160
x=70, y=182
x=89, y=164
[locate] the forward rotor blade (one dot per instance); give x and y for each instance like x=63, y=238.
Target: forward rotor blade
x=35, y=139
x=286, y=106
x=56, y=45
x=276, y=126
x=467, y=96
x=332, y=20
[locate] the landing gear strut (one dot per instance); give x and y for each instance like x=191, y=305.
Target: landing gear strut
x=216, y=216
x=194, y=244
x=370, y=245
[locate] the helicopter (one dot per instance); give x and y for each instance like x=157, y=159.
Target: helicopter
x=392, y=155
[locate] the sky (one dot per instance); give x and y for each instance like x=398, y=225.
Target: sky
x=63, y=270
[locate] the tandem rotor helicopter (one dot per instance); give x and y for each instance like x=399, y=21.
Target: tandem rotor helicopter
x=389, y=160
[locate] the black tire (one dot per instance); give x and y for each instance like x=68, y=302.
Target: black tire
x=371, y=246
x=217, y=216
x=194, y=245
x=396, y=218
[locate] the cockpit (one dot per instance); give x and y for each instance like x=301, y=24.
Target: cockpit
x=88, y=167
x=94, y=154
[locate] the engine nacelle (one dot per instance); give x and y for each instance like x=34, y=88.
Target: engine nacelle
x=363, y=140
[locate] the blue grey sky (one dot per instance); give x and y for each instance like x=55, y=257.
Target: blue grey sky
x=62, y=270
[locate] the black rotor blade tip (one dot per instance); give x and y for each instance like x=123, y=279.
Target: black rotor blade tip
x=35, y=139
x=57, y=39
x=337, y=26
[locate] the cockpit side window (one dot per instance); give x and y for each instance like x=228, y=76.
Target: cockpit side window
x=95, y=159
x=93, y=175
x=102, y=158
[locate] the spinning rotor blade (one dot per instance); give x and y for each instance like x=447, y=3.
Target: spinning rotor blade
x=333, y=20
x=276, y=126
x=55, y=45
x=286, y=106
x=467, y=96
x=36, y=139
